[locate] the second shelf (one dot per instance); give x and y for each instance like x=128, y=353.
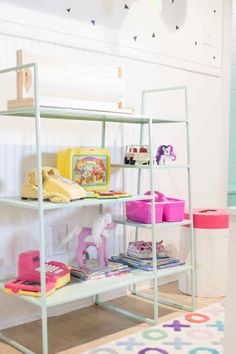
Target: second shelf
x=120, y=219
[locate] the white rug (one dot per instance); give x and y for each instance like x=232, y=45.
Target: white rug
x=200, y=332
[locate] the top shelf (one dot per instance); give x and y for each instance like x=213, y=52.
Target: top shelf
x=87, y=115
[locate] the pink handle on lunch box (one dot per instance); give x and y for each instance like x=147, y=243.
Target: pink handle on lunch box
x=159, y=196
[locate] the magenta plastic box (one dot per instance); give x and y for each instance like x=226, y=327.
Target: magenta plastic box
x=140, y=211
x=173, y=210
x=167, y=209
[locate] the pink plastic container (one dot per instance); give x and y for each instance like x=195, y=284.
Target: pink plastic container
x=173, y=210
x=166, y=209
x=140, y=211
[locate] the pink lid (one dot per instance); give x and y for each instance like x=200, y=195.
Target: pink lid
x=209, y=218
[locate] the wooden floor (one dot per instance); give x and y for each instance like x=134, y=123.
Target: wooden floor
x=84, y=329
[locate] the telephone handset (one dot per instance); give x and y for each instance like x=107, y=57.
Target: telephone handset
x=55, y=188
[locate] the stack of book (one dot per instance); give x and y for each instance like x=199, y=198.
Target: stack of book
x=95, y=273
x=146, y=263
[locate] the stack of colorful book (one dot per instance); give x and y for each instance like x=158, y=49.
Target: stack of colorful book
x=146, y=263
x=95, y=273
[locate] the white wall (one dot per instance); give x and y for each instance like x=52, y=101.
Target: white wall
x=146, y=65
x=232, y=140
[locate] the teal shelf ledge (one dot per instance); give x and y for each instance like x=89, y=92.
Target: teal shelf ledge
x=77, y=291
x=33, y=204
x=122, y=220
x=147, y=167
x=87, y=115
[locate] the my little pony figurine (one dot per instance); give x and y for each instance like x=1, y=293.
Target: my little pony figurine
x=98, y=237
x=165, y=154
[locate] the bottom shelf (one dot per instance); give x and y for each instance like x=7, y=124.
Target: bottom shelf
x=76, y=291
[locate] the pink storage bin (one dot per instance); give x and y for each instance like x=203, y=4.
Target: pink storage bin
x=167, y=209
x=173, y=210
x=140, y=211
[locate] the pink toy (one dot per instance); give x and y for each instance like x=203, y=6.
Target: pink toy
x=29, y=268
x=166, y=209
x=99, y=235
x=165, y=154
x=173, y=209
x=28, y=281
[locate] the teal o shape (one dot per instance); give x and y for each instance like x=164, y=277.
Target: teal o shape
x=147, y=334
x=198, y=350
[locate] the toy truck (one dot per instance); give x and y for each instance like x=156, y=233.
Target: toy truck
x=136, y=154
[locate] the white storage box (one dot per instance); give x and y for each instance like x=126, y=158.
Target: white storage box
x=211, y=235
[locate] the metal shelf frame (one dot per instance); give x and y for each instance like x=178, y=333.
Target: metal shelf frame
x=77, y=291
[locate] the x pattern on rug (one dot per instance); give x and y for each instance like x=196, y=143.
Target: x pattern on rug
x=200, y=332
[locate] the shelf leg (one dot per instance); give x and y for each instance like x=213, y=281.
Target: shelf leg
x=103, y=142
x=103, y=135
x=125, y=312
x=191, y=229
x=139, y=173
x=15, y=344
x=97, y=299
x=163, y=301
x=154, y=251
x=134, y=287
x=40, y=214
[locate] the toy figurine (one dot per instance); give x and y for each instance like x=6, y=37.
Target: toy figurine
x=165, y=154
x=99, y=234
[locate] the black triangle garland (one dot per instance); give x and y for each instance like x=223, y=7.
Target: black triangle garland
x=153, y=35
x=135, y=38
x=126, y=7
x=93, y=22
x=68, y=10
x=176, y=28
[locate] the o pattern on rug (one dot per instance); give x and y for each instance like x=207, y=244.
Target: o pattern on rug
x=198, y=332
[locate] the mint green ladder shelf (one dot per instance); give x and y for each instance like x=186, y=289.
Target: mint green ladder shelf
x=74, y=292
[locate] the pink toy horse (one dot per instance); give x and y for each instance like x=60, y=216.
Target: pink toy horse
x=99, y=234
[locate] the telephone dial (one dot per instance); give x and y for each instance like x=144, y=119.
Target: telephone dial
x=55, y=187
